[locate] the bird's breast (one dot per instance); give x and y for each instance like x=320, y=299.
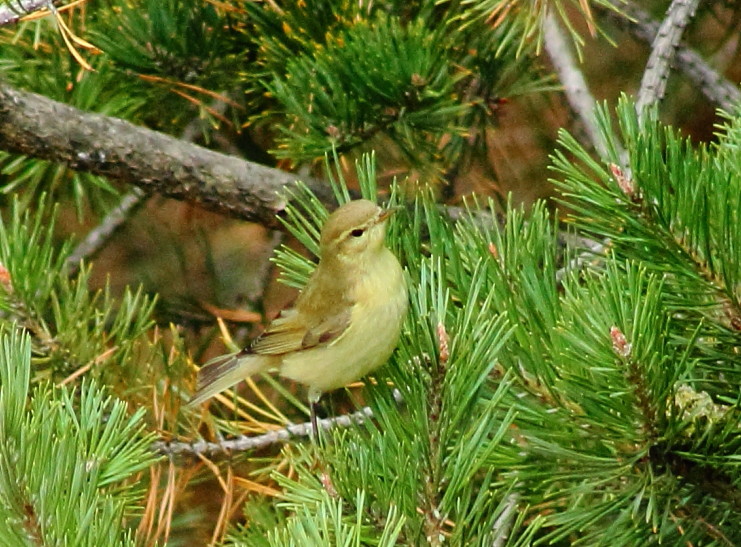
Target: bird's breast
x=380, y=297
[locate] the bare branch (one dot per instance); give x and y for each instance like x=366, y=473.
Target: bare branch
x=712, y=84
x=97, y=238
x=663, y=51
x=40, y=127
x=244, y=443
x=502, y=527
x=595, y=250
x=583, y=104
x=574, y=84
x=12, y=10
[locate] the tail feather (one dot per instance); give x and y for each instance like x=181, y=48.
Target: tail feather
x=225, y=371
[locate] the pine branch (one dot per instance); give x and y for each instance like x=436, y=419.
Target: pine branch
x=433, y=517
x=34, y=125
x=663, y=51
x=67, y=456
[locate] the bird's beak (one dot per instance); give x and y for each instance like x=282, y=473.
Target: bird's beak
x=386, y=213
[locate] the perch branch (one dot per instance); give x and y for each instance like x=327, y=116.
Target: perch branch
x=244, y=443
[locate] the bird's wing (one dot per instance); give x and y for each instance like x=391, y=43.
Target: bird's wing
x=294, y=331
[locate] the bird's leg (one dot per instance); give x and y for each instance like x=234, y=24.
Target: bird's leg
x=314, y=426
x=314, y=397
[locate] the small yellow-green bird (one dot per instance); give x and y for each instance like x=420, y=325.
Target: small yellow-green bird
x=346, y=321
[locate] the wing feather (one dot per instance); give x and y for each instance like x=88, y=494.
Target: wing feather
x=294, y=331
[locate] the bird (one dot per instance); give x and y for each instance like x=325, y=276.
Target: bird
x=345, y=323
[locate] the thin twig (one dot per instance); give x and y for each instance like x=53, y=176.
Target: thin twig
x=574, y=84
x=502, y=527
x=663, y=51
x=13, y=10
x=710, y=82
x=594, y=249
x=243, y=443
x=583, y=104
x=97, y=238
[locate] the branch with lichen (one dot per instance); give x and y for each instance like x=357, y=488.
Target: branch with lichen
x=244, y=443
x=663, y=51
x=709, y=81
x=13, y=10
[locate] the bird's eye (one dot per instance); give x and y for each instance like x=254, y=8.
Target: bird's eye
x=357, y=232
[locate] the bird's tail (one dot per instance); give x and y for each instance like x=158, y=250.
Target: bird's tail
x=225, y=371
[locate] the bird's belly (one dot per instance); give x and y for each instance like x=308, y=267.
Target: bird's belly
x=367, y=344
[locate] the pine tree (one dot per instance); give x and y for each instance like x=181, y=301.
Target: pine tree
x=567, y=374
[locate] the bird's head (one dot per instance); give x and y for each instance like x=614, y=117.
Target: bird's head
x=355, y=231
